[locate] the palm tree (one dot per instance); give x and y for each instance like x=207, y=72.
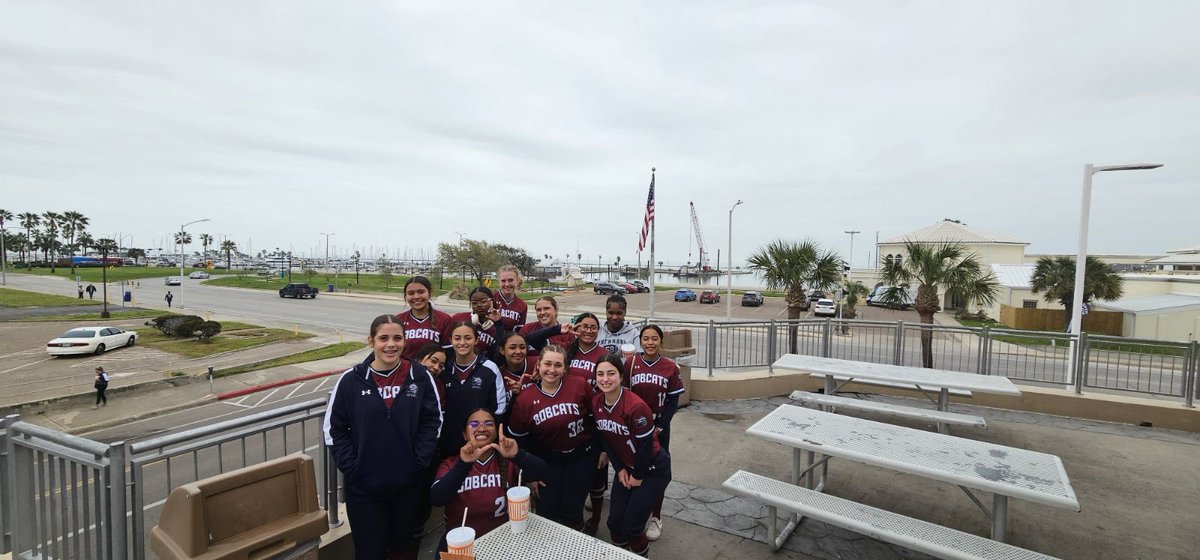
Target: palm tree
x=792, y=267
x=934, y=267
x=5, y=217
x=84, y=241
x=135, y=254
x=29, y=220
x=1054, y=277
x=23, y=246
x=73, y=224
x=182, y=238
x=229, y=247
x=854, y=293
x=205, y=240
x=53, y=221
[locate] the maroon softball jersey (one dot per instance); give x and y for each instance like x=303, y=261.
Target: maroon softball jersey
x=512, y=311
x=563, y=340
x=487, y=338
x=556, y=421
x=583, y=364
x=435, y=327
x=482, y=494
x=653, y=381
x=623, y=424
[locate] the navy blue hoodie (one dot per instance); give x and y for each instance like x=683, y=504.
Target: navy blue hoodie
x=381, y=450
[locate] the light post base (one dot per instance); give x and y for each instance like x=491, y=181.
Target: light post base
x=105, y=314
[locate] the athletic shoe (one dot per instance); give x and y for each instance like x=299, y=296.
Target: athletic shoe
x=653, y=528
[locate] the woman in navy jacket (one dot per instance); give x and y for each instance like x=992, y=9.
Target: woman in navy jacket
x=382, y=427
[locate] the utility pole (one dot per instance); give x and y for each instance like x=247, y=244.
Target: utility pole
x=846, y=271
x=327, y=236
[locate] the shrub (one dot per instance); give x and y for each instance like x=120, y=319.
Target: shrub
x=207, y=329
x=460, y=291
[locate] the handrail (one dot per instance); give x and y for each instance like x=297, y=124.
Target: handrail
x=171, y=439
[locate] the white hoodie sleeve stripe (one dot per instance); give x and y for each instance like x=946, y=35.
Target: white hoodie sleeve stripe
x=325, y=427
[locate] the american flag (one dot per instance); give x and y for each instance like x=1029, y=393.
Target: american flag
x=649, y=216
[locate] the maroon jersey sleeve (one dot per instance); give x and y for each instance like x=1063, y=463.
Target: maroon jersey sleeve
x=624, y=427
x=553, y=422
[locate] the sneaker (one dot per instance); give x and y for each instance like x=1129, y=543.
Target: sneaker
x=653, y=528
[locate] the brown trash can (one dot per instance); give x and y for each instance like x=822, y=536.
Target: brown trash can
x=677, y=345
x=264, y=511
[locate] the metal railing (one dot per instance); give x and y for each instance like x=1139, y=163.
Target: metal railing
x=1109, y=363
x=159, y=464
x=64, y=495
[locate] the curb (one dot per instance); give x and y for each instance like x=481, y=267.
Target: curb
x=274, y=384
x=140, y=416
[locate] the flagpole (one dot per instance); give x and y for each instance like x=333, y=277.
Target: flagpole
x=650, y=316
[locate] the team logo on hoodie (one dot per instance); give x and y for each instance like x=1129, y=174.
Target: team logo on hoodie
x=476, y=383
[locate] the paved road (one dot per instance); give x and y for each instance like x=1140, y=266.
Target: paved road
x=350, y=314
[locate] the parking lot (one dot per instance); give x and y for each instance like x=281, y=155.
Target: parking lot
x=27, y=373
x=664, y=303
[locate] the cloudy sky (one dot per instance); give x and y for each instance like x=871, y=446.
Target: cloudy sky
x=398, y=126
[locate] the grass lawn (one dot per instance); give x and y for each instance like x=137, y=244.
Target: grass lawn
x=94, y=274
x=367, y=283
x=1095, y=344
x=330, y=351
x=114, y=315
x=19, y=298
x=244, y=336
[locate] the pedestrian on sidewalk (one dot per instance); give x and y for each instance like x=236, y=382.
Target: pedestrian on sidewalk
x=91, y=290
x=101, y=386
x=169, y=297
x=80, y=291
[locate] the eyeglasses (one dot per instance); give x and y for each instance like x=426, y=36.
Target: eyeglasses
x=475, y=424
x=588, y=327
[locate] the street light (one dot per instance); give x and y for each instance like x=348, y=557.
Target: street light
x=1085, y=209
x=729, y=260
x=327, y=236
x=846, y=273
x=182, y=229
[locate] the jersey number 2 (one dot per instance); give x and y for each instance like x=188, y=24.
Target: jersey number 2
x=500, y=509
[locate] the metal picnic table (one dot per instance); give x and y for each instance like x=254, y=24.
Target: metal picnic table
x=1004, y=471
x=545, y=540
x=940, y=380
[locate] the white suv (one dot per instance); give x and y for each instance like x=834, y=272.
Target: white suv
x=825, y=308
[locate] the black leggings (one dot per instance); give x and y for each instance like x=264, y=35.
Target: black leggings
x=385, y=526
x=561, y=499
x=100, y=396
x=631, y=508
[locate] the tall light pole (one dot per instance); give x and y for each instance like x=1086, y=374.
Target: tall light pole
x=729, y=259
x=327, y=236
x=1085, y=210
x=3, y=255
x=846, y=273
x=182, y=230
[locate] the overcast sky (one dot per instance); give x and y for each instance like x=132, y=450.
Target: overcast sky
x=536, y=124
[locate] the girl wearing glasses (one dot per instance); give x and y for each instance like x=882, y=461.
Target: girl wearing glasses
x=553, y=420
x=485, y=317
x=477, y=479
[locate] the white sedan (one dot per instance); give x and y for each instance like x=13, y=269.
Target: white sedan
x=198, y=275
x=825, y=308
x=90, y=340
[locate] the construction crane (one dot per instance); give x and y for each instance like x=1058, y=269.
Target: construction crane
x=702, y=263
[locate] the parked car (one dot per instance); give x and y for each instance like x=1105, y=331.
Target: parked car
x=90, y=340
x=298, y=291
x=608, y=288
x=710, y=296
x=685, y=294
x=812, y=298
x=752, y=299
x=173, y=281
x=641, y=286
x=825, y=308
x=198, y=275
x=630, y=287
x=907, y=298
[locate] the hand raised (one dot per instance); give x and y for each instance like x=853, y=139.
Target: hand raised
x=493, y=315
x=508, y=446
x=469, y=453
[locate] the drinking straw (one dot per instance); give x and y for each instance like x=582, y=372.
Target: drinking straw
x=520, y=473
x=464, y=523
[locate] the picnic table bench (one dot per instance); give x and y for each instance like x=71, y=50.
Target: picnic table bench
x=923, y=379
x=1004, y=471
